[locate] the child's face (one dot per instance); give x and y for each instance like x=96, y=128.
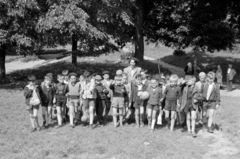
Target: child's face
x=202, y=79
x=61, y=79
x=106, y=76
x=47, y=82
x=73, y=79
x=98, y=81
x=173, y=82
x=190, y=82
x=210, y=80
x=153, y=83
x=124, y=79
x=32, y=82
x=143, y=75
x=66, y=78
x=118, y=82
x=139, y=81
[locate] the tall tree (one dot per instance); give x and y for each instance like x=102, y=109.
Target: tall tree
x=17, y=28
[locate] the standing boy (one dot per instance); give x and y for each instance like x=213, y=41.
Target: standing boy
x=211, y=95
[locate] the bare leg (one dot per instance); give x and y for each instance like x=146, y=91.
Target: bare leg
x=189, y=121
x=154, y=114
x=173, y=118
x=149, y=113
x=115, y=116
x=59, y=115
x=121, y=110
x=137, y=112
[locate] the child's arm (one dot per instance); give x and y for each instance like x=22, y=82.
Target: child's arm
x=67, y=91
x=105, y=90
x=28, y=92
x=164, y=93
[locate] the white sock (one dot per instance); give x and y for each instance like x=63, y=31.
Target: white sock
x=153, y=123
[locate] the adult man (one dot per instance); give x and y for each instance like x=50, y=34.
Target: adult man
x=230, y=75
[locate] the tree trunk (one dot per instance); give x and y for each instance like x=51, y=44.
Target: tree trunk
x=139, y=45
x=74, y=49
x=3, y=49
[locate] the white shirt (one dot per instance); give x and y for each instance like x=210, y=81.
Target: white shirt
x=229, y=70
x=210, y=87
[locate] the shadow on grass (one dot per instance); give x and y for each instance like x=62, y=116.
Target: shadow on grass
x=19, y=78
x=206, y=62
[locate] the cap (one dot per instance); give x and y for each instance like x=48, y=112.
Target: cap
x=98, y=77
x=49, y=74
x=65, y=72
x=105, y=72
x=119, y=72
x=31, y=78
x=72, y=74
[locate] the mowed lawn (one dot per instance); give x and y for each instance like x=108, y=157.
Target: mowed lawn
x=102, y=142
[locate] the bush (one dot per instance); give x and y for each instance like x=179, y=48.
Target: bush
x=12, y=58
x=126, y=56
x=179, y=53
x=29, y=58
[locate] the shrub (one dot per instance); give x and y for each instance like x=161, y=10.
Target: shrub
x=179, y=53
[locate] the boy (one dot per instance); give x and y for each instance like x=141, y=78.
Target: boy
x=33, y=100
x=199, y=92
x=136, y=101
x=161, y=108
x=101, y=91
x=47, y=95
x=211, y=102
x=60, y=99
x=188, y=106
x=153, y=103
x=171, y=95
x=66, y=77
x=106, y=82
x=89, y=96
x=73, y=92
x=119, y=92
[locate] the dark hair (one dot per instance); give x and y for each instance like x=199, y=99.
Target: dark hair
x=134, y=59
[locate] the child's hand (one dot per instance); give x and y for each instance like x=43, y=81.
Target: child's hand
x=217, y=106
x=66, y=94
x=129, y=105
x=161, y=100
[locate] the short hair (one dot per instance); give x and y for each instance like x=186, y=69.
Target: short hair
x=138, y=76
x=154, y=78
x=173, y=77
x=86, y=73
x=211, y=75
x=193, y=78
x=134, y=59
x=202, y=74
x=48, y=78
x=59, y=76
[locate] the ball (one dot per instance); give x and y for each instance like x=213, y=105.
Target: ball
x=84, y=118
x=144, y=95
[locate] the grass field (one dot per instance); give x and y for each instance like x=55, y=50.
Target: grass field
x=104, y=142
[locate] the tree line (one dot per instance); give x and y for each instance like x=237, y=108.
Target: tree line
x=28, y=25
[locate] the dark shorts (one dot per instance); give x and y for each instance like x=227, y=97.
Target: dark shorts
x=61, y=103
x=153, y=107
x=31, y=107
x=139, y=103
x=89, y=102
x=209, y=105
x=171, y=105
x=47, y=104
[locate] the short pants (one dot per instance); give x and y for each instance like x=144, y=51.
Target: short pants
x=209, y=105
x=153, y=107
x=61, y=103
x=47, y=104
x=171, y=105
x=139, y=103
x=31, y=107
x=74, y=102
x=189, y=107
x=89, y=102
x=118, y=102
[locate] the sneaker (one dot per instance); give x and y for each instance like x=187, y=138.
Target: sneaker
x=33, y=130
x=210, y=130
x=194, y=134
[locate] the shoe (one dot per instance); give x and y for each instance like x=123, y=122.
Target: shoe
x=152, y=130
x=210, y=130
x=72, y=126
x=194, y=134
x=38, y=128
x=33, y=130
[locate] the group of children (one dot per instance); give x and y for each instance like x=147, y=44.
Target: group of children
x=182, y=101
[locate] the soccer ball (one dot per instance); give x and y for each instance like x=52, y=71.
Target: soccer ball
x=144, y=95
x=84, y=118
